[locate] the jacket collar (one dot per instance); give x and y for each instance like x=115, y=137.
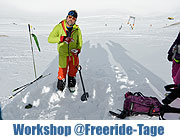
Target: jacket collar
x=63, y=22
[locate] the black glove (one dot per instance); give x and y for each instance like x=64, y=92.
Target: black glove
x=170, y=57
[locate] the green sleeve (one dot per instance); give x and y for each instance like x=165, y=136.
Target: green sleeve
x=79, y=39
x=54, y=36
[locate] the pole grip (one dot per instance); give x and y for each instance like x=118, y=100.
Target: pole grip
x=79, y=67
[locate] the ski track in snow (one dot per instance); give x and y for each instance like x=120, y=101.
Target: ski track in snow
x=110, y=69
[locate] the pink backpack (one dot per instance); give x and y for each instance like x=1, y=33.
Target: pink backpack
x=136, y=103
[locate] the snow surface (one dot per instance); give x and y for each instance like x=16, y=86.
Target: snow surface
x=114, y=61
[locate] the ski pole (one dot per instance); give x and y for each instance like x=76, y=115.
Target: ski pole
x=85, y=94
x=29, y=26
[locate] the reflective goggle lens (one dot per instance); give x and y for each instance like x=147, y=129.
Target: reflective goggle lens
x=71, y=17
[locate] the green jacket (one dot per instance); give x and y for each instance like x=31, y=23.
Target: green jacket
x=54, y=37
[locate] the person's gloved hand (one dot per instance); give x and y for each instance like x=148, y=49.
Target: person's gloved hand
x=170, y=57
x=68, y=40
x=75, y=52
x=65, y=39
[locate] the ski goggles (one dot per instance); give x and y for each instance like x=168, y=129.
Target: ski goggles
x=71, y=17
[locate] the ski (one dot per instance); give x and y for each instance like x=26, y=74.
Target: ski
x=122, y=115
x=19, y=89
x=27, y=84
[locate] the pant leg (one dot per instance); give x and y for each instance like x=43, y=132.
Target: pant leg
x=73, y=63
x=177, y=77
x=63, y=71
x=175, y=69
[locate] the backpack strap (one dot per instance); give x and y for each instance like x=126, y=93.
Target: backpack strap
x=122, y=115
x=139, y=94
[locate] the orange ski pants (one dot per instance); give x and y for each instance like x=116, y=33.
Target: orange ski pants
x=72, y=63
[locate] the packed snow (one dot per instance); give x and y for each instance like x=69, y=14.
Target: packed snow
x=114, y=59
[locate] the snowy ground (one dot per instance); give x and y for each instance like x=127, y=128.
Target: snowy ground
x=114, y=61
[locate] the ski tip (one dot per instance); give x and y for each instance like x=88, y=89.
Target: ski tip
x=11, y=97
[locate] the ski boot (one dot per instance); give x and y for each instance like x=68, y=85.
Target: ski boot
x=61, y=84
x=71, y=84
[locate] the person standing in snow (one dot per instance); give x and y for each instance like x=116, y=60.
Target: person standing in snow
x=68, y=37
x=174, y=56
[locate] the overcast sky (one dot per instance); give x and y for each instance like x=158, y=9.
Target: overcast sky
x=89, y=6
